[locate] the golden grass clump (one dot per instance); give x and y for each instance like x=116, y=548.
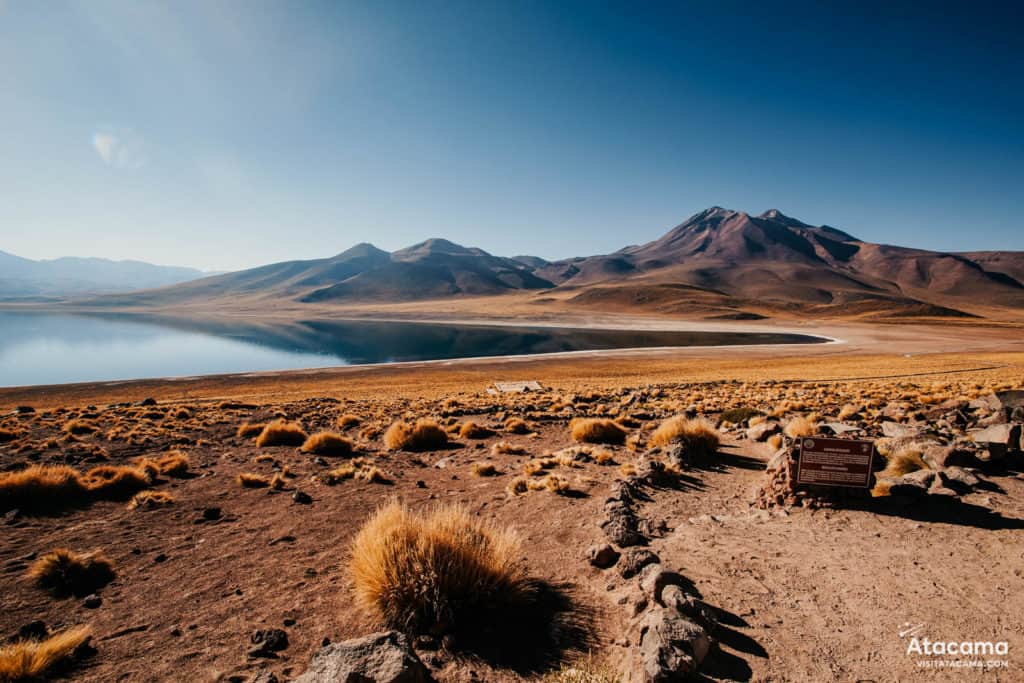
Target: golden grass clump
x=347, y=421
x=361, y=469
x=33, y=660
x=538, y=465
x=597, y=430
x=848, y=411
x=507, y=448
x=484, y=469
x=174, y=463
x=800, y=427
x=903, y=461
x=79, y=427
x=116, y=481
x=251, y=480
x=518, y=486
x=65, y=572
x=329, y=444
x=436, y=572
x=41, y=486
x=149, y=500
x=249, y=429
x=775, y=441
x=517, y=425
x=281, y=433
x=698, y=435
x=425, y=435
x=471, y=430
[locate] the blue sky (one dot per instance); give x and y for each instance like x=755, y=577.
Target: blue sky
x=229, y=134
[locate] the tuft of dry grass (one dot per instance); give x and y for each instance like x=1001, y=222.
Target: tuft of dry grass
x=148, y=500
x=471, y=430
x=79, y=427
x=174, y=463
x=800, y=427
x=362, y=469
x=698, y=435
x=347, y=421
x=42, y=487
x=116, y=482
x=517, y=425
x=436, y=572
x=597, y=430
x=518, y=486
x=251, y=480
x=33, y=660
x=775, y=441
x=538, y=465
x=507, y=448
x=281, y=433
x=582, y=672
x=483, y=469
x=425, y=435
x=329, y=444
x=249, y=429
x=66, y=572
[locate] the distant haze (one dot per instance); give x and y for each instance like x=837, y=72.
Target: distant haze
x=225, y=135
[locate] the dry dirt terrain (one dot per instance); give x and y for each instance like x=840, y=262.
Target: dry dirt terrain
x=802, y=590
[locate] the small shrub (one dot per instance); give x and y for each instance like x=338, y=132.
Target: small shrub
x=518, y=486
x=517, y=425
x=33, y=660
x=251, y=480
x=800, y=427
x=148, y=500
x=329, y=444
x=174, y=463
x=439, y=572
x=249, y=429
x=538, y=465
x=65, y=572
x=697, y=435
x=347, y=421
x=597, y=430
x=281, y=433
x=471, y=430
x=484, y=469
x=506, y=448
x=42, y=487
x=425, y=435
x=116, y=482
x=80, y=427
x=775, y=441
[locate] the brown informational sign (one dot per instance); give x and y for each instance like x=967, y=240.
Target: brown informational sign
x=835, y=462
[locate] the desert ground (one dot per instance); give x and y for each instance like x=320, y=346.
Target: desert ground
x=787, y=585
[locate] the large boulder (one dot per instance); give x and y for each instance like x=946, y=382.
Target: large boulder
x=999, y=438
x=384, y=657
x=671, y=647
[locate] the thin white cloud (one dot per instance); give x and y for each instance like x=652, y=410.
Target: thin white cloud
x=120, y=148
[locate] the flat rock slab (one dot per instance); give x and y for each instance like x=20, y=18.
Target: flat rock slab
x=385, y=657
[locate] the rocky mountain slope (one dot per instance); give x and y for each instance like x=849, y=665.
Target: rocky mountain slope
x=719, y=263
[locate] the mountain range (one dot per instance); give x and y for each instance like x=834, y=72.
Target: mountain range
x=22, y=278
x=719, y=263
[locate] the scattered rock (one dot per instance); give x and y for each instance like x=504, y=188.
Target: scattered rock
x=302, y=498
x=635, y=559
x=895, y=430
x=602, y=556
x=33, y=630
x=384, y=657
x=654, y=578
x=92, y=601
x=268, y=641
x=763, y=431
x=211, y=513
x=671, y=647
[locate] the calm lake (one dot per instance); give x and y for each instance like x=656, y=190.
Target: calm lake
x=37, y=348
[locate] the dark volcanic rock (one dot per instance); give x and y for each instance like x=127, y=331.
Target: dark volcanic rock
x=384, y=657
